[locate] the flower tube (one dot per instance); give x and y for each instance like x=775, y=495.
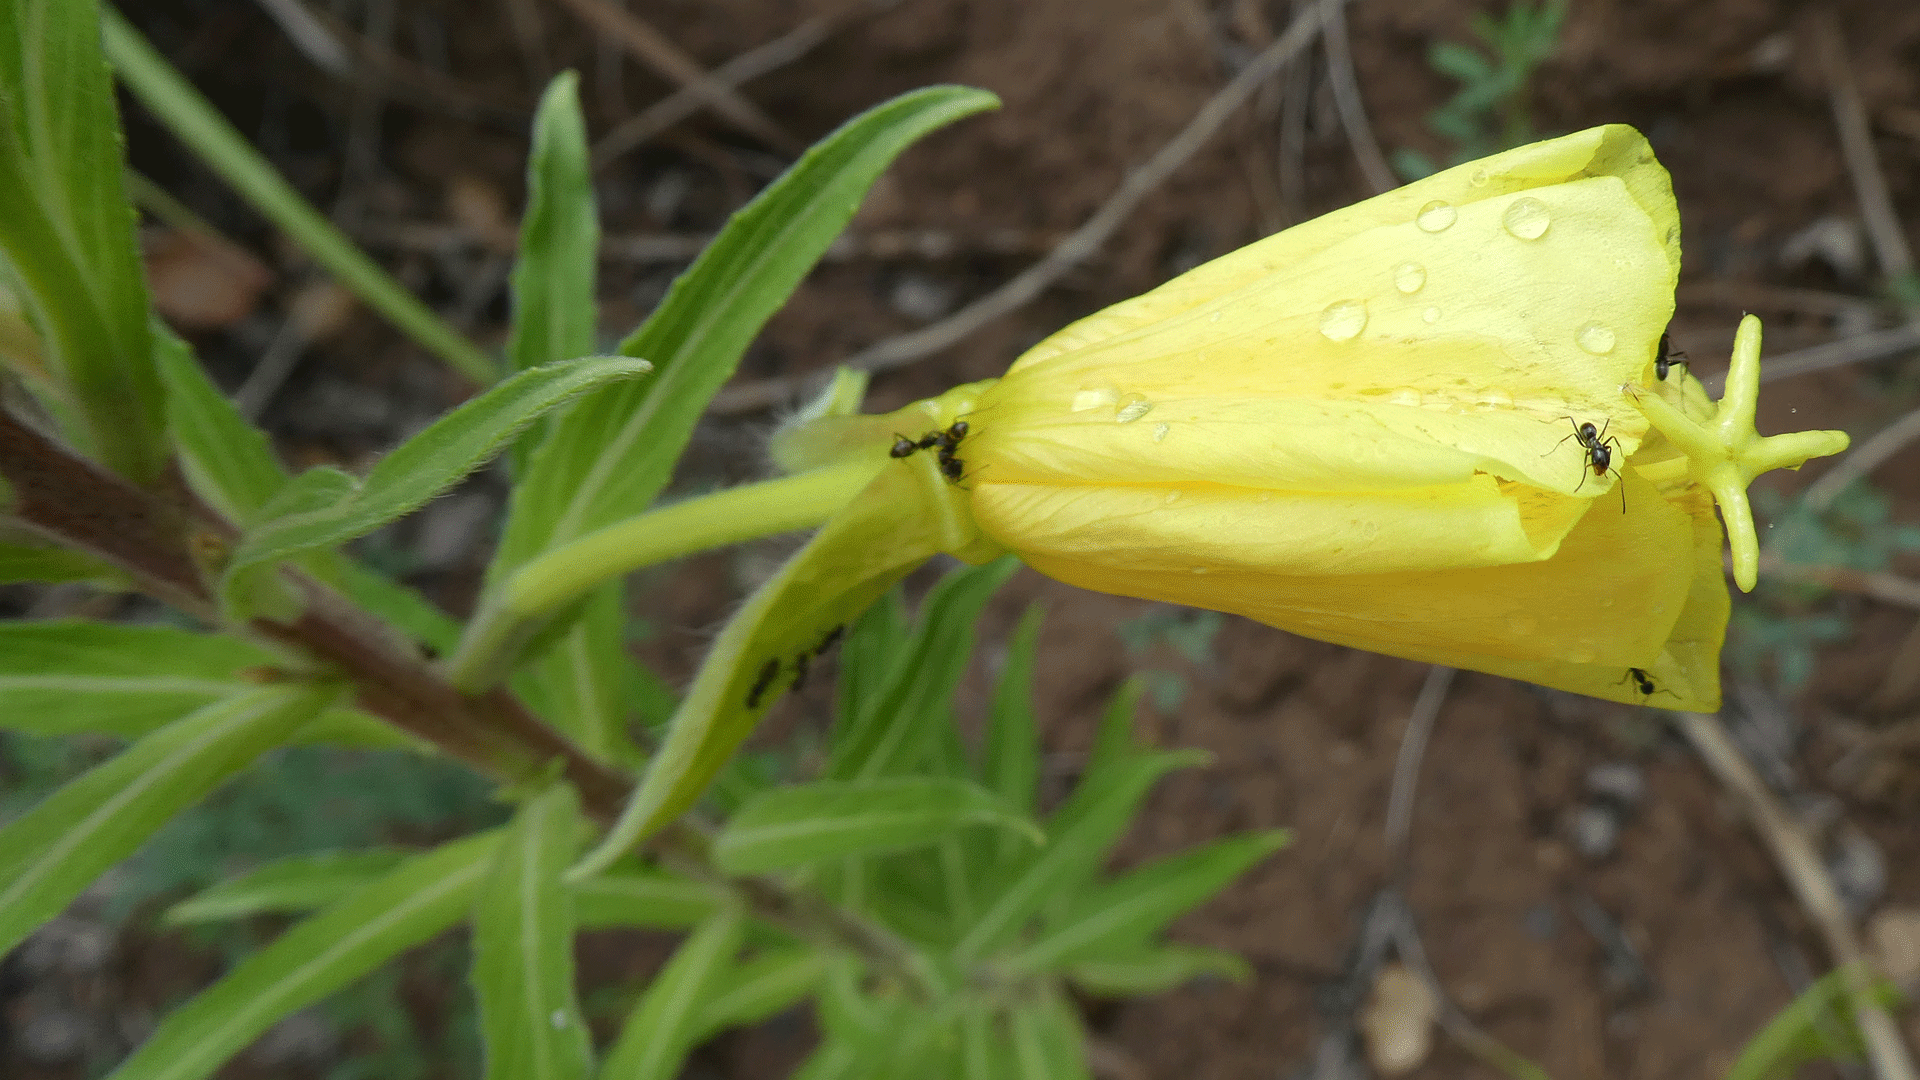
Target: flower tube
x=1414, y=426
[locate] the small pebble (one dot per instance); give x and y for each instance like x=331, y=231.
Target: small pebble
x=1619, y=782
x=1594, y=831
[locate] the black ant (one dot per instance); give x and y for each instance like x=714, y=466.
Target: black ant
x=1664, y=358
x=762, y=682
x=1644, y=683
x=947, y=441
x=1599, y=450
x=828, y=642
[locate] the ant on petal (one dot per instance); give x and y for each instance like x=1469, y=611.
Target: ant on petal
x=1663, y=359
x=1600, y=449
x=1644, y=683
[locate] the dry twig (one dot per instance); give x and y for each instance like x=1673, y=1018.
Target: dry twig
x=1863, y=161
x=1865, y=458
x=1078, y=245
x=1799, y=861
x=1886, y=588
x=744, y=68
x=652, y=48
x=1346, y=98
x=310, y=36
x=1858, y=349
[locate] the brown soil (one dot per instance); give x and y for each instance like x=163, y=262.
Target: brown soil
x=1304, y=734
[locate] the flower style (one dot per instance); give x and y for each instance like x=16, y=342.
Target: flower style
x=1372, y=429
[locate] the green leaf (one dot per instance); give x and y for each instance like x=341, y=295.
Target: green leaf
x=868, y=654
x=1818, y=1025
x=401, y=606
x=584, y=676
x=1047, y=1041
x=227, y=461
x=318, y=512
x=665, y=1024
x=1074, y=850
x=985, y=1050
x=1137, y=906
x=71, y=677
x=49, y=855
x=642, y=896
x=832, y=819
x=757, y=990
x=34, y=562
x=523, y=947
x=553, y=278
x=1010, y=759
x=67, y=231
x=298, y=884
x=425, y=896
x=194, y=121
x=1139, y=972
x=895, y=727
x=609, y=457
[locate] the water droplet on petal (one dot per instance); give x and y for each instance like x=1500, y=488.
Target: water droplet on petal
x=1404, y=397
x=1199, y=569
x=1265, y=496
x=1495, y=399
x=1343, y=320
x=1094, y=399
x=1523, y=624
x=1173, y=497
x=1131, y=408
x=1408, y=277
x=1436, y=216
x=1430, y=316
x=1595, y=338
x=1580, y=654
x=1526, y=218
x=1479, y=178
x=1215, y=317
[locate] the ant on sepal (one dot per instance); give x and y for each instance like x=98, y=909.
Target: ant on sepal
x=1600, y=449
x=946, y=441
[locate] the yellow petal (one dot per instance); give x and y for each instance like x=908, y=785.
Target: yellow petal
x=1366, y=349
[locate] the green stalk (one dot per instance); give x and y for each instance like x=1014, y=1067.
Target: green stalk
x=176, y=104
x=542, y=586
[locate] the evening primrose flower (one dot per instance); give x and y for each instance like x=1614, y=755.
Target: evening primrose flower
x=1372, y=429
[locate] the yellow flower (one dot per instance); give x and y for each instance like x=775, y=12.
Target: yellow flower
x=1371, y=429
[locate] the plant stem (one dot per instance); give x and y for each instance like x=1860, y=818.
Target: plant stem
x=66, y=499
x=176, y=104
x=542, y=586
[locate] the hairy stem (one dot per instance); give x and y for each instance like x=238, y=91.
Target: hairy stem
x=160, y=545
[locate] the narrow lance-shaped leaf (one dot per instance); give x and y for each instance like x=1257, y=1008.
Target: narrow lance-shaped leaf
x=584, y=675
x=663, y=1026
x=51, y=854
x=642, y=896
x=67, y=231
x=1128, y=911
x=1073, y=853
x=298, y=884
x=553, y=277
x=1048, y=1042
x=1818, y=1025
x=751, y=992
x=1139, y=972
x=424, y=465
x=1010, y=756
x=610, y=456
x=767, y=646
x=894, y=729
x=227, y=460
x=422, y=898
x=69, y=677
x=190, y=117
x=809, y=823
x=50, y=565
x=523, y=947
